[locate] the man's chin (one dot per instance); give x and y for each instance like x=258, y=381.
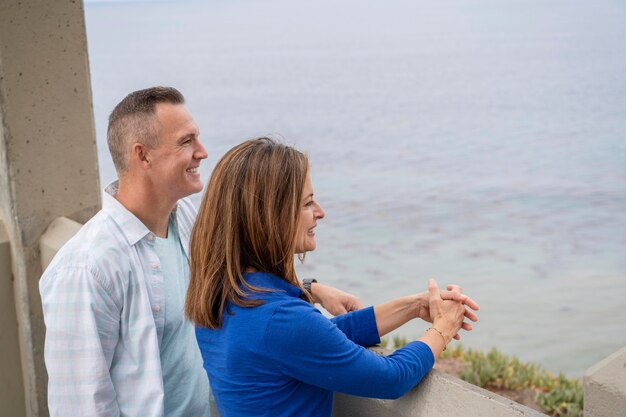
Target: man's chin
x=196, y=187
x=188, y=191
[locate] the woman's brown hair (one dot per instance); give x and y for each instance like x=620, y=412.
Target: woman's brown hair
x=247, y=220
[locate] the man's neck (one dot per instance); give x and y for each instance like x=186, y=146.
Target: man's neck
x=144, y=202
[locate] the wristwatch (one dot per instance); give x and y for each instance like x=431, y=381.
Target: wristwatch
x=306, y=283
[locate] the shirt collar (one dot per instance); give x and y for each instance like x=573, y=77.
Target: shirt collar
x=132, y=228
x=270, y=281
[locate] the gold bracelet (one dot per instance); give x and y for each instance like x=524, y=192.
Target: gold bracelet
x=442, y=336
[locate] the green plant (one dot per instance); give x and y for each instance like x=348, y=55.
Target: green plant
x=565, y=397
x=396, y=342
x=558, y=396
x=455, y=352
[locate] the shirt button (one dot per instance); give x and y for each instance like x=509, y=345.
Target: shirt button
x=154, y=265
x=151, y=237
x=157, y=308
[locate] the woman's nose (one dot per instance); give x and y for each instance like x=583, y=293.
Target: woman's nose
x=320, y=213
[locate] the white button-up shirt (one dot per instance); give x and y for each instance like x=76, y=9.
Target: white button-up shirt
x=102, y=298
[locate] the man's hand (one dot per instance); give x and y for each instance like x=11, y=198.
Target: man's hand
x=335, y=301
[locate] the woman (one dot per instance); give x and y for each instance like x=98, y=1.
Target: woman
x=267, y=350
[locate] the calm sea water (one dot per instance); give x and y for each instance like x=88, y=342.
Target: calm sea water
x=479, y=142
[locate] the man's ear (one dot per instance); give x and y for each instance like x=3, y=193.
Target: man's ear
x=140, y=155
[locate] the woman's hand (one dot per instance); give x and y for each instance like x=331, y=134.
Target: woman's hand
x=447, y=318
x=453, y=293
x=396, y=312
x=446, y=315
x=335, y=301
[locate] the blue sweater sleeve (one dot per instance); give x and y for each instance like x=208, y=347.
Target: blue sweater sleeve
x=308, y=347
x=359, y=326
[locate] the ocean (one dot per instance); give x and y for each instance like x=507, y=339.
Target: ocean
x=478, y=142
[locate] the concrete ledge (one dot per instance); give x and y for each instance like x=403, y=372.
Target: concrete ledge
x=605, y=387
x=60, y=231
x=438, y=394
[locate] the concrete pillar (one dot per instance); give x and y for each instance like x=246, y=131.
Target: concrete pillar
x=605, y=387
x=48, y=164
x=11, y=382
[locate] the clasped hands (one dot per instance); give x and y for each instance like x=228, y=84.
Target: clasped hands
x=447, y=310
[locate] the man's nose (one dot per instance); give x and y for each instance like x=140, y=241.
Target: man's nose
x=201, y=152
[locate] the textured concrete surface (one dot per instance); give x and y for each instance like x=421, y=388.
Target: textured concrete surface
x=439, y=394
x=48, y=164
x=605, y=387
x=11, y=382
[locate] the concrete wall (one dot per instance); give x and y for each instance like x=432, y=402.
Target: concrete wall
x=11, y=382
x=438, y=395
x=48, y=164
x=605, y=387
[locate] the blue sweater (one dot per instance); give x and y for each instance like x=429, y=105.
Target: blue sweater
x=284, y=358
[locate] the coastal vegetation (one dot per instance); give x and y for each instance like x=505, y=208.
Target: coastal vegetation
x=527, y=383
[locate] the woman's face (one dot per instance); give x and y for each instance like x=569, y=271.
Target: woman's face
x=310, y=213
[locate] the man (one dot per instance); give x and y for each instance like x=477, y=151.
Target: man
x=117, y=342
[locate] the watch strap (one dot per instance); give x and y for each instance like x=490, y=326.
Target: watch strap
x=306, y=283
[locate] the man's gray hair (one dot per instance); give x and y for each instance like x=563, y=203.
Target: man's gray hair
x=133, y=120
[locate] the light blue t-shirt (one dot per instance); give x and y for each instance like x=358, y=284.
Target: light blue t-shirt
x=185, y=383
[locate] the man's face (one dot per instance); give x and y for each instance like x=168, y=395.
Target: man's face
x=176, y=159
